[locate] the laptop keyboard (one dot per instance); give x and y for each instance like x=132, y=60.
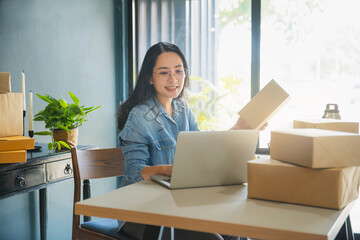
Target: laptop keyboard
x=167, y=180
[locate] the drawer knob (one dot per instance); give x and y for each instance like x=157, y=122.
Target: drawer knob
x=68, y=169
x=20, y=181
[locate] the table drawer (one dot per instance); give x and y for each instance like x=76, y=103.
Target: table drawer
x=59, y=170
x=21, y=179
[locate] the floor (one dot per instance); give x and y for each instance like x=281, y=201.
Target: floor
x=355, y=217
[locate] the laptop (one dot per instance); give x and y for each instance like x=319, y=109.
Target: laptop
x=211, y=158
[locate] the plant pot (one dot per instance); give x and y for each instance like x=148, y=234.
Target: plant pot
x=71, y=138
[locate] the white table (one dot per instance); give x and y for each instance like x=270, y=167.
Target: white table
x=224, y=209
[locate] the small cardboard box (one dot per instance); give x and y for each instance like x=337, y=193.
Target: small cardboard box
x=316, y=148
x=13, y=156
x=263, y=105
x=16, y=143
x=11, y=114
x=5, y=82
x=270, y=179
x=328, y=124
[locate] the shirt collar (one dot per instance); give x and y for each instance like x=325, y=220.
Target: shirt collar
x=178, y=106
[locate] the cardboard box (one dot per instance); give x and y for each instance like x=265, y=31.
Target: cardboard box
x=11, y=114
x=5, y=82
x=316, y=148
x=264, y=104
x=278, y=181
x=16, y=143
x=13, y=156
x=328, y=124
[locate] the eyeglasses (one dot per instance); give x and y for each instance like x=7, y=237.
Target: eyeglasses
x=164, y=75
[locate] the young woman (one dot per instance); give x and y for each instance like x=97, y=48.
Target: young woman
x=150, y=121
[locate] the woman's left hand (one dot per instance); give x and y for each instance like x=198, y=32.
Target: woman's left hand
x=264, y=126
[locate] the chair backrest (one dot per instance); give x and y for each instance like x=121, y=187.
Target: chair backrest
x=98, y=163
x=92, y=164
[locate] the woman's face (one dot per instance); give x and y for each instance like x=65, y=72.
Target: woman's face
x=168, y=76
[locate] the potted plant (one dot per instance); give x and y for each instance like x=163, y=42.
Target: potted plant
x=62, y=119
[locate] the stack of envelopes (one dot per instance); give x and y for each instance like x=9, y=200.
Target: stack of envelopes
x=308, y=166
x=13, y=149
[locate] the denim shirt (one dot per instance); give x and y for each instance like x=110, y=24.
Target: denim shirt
x=149, y=136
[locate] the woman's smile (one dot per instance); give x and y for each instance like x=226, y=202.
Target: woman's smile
x=171, y=88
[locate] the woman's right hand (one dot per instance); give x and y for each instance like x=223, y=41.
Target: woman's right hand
x=156, y=170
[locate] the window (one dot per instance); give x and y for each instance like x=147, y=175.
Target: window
x=215, y=36
x=311, y=48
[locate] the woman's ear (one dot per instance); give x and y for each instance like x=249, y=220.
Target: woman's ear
x=151, y=82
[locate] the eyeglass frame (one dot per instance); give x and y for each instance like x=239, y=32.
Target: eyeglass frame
x=184, y=71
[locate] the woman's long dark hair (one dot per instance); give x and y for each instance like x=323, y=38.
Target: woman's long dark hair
x=143, y=89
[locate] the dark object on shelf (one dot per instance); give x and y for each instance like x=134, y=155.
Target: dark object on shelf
x=332, y=111
x=263, y=151
x=37, y=148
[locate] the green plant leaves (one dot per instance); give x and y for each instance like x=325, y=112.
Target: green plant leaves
x=39, y=118
x=51, y=146
x=56, y=146
x=59, y=114
x=45, y=98
x=75, y=110
x=63, y=103
x=59, y=126
x=74, y=98
x=43, y=133
x=63, y=143
x=91, y=109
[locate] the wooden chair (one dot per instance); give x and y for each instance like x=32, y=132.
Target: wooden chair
x=92, y=164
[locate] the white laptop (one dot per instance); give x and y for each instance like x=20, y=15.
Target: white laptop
x=211, y=158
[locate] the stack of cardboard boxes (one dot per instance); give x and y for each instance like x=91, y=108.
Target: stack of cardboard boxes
x=309, y=166
x=13, y=144
x=328, y=124
x=13, y=149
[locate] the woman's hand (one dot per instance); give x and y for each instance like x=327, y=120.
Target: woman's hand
x=156, y=170
x=264, y=126
x=242, y=124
